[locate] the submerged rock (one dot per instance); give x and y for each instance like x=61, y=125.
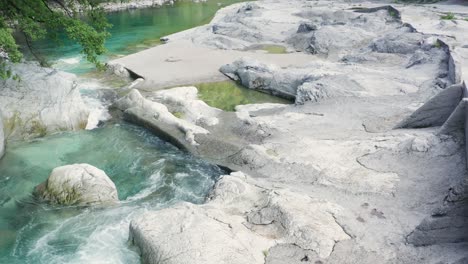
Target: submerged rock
x=44, y=100
x=77, y=184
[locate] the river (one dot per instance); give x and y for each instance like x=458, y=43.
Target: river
x=149, y=173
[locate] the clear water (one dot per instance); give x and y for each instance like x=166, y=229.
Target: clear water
x=134, y=30
x=148, y=172
x=227, y=95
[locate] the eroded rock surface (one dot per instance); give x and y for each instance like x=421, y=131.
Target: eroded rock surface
x=135, y=104
x=77, y=184
x=333, y=180
x=224, y=231
x=44, y=100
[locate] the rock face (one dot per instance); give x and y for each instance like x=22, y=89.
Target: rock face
x=204, y=233
x=77, y=184
x=437, y=110
x=44, y=100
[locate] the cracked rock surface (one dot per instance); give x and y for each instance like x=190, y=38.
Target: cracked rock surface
x=357, y=170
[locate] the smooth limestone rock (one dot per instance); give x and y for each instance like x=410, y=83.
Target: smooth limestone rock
x=195, y=236
x=238, y=224
x=44, y=100
x=184, y=101
x=77, y=184
x=135, y=104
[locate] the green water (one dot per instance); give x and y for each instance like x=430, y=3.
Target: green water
x=134, y=30
x=148, y=172
x=228, y=94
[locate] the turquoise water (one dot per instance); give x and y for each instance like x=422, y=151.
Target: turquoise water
x=134, y=30
x=148, y=173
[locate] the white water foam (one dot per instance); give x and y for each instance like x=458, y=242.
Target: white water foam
x=98, y=109
x=71, y=60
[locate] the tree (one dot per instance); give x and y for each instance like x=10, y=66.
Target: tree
x=82, y=21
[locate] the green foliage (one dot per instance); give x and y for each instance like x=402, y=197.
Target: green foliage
x=47, y=19
x=448, y=16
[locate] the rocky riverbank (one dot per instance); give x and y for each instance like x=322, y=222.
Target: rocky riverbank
x=350, y=173
x=135, y=4
x=113, y=6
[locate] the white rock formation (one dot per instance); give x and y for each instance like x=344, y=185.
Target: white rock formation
x=44, y=100
x=336, y=149
x=238, y=225
x=77, y=184
x=184, y=100
x=320, y=80
x=159, y=112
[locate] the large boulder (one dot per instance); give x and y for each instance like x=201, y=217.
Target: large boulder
x=77, y=184
x=44, y=100
x=267, y=78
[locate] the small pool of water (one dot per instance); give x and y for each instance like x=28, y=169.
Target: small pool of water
x=148, y=172
x=227, y=95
